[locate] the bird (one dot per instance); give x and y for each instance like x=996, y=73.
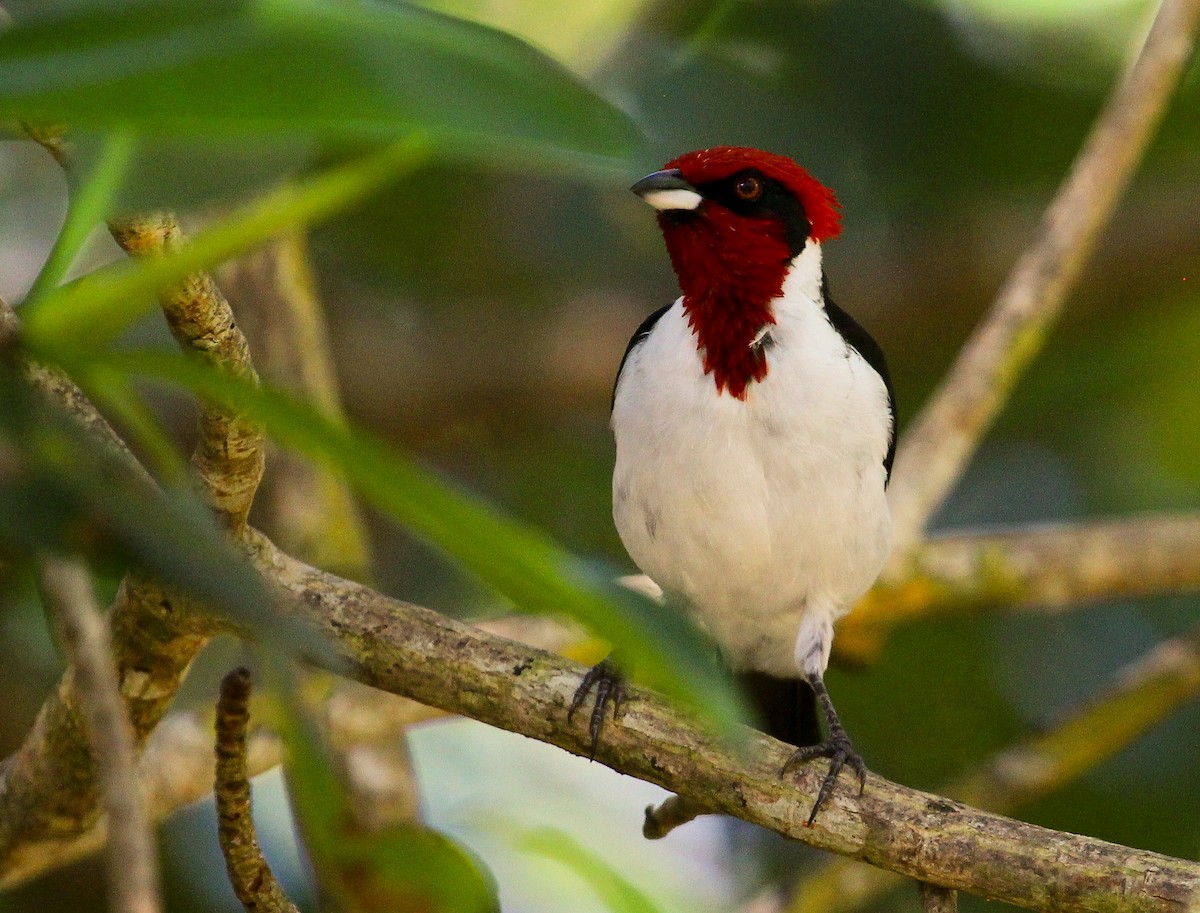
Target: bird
x=754, y=422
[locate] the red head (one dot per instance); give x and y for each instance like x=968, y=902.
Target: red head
x=734, y=218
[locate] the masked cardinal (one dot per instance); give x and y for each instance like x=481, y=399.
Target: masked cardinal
x=755, y=430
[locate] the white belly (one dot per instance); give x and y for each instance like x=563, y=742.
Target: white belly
x=764, y=513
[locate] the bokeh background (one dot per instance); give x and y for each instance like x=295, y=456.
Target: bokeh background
x=477, y=314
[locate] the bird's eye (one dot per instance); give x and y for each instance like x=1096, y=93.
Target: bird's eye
x=748, y=188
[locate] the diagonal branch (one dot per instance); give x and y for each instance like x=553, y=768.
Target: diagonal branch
x=1050, y=567
x=936, y=447
x=418, y=653
x=1143, y=694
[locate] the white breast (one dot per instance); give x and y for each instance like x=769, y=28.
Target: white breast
x=765, y=514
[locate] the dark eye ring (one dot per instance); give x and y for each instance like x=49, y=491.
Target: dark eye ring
x=748, y=188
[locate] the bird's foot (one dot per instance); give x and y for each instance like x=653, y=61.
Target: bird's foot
x=609, y=687
x=840, y=753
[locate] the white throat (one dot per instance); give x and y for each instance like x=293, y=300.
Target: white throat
x=803, y=278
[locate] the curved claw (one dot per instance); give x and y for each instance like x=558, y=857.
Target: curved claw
x=610, y=688
x=840, y=753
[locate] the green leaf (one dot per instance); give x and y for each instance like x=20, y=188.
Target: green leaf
x=616, y=891
x=60, y=492
x=347, y=70
x=89, y=204
x=406, y=867
x=96, y=307
x=659, y=646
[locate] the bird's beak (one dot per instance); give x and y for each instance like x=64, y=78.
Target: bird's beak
x=666, y=190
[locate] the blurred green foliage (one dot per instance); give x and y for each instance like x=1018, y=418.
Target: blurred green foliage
x=367, y=69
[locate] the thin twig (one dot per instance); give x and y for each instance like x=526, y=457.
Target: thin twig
x=132, y=854
x=935, y=899
x=936, y=447
x=58, y=388
x=252, y=879
x=228, y=460
x=1144, y=693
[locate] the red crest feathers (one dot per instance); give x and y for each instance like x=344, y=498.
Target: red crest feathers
x=820, y=205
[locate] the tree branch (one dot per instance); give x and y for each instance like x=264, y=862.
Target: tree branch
x=48, y=788
x=176, y=769
x=936, y=447
x=253, y=881
x=228, y=460
x=58, y=388
x=1143, y=694
x=132, y=854
x=416, y=652
x=1050, y=567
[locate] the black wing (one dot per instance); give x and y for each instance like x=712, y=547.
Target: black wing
x=868, y=348
x=639, y=336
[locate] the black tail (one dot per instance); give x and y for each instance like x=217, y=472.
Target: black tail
x=787, y=707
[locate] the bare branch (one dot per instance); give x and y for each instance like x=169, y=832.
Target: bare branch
x=132, y=853
x=176, y=769
x=228, y=460
x=1144, y=693
x=253, y=881
x=62, y=391
x=48, y=789
x=1049, y=567
x=433, y=659
x=938, y=444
